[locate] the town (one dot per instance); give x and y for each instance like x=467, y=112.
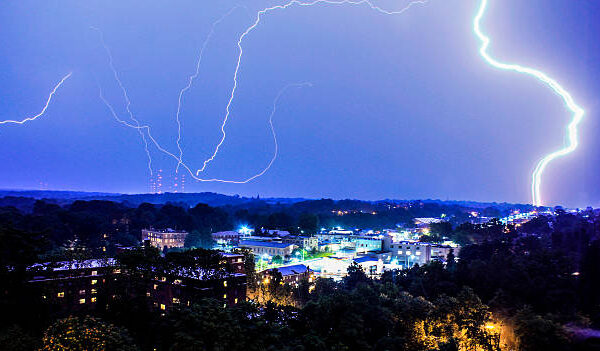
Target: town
x=105, y=259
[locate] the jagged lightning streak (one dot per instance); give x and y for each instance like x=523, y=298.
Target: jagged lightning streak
x=23, y=121
x=193, y=77
x=577, y=111
x=163, y=150
x=148, y=130
x=126, y=97
x=273, y=111
x=257, y=22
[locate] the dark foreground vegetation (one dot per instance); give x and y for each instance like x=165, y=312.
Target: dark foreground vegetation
x=533, y=287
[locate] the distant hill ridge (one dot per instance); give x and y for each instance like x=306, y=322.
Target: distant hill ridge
x=7, y=197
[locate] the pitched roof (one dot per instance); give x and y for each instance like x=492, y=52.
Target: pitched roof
x=291, y=270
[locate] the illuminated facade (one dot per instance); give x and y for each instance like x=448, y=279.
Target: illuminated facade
x=161, y=239
x=82, y=286
x=291, y=274
x=261, y=248
x=409, y=253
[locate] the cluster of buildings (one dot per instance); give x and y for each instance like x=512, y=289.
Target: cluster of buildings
x=86, y=285
x=330, y=253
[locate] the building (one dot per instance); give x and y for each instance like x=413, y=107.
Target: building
x=366, y=243
x=307, y=243
x=234, y=261
x=227, y=238
x=409, y=253
x=290, y=274
x=279, y=233
x=331, y=267
x=423, y=222
x=371, y=265
x=269, y=248
x=91, y=284
x=168, y=291
x=72, y=286
x=167, y=238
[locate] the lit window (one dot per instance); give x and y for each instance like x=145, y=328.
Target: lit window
x=175, y=300
x=236, y=300
x=94, y=272
x=93, y=299
x=81, y=301
x=94, y=282
x=94, y=291
x=225, y=283
x=163, y=307
x=61, y=294
x=224, y=296
x=163, y=279
x=155, y=286
x=81, y=292
x=148, y=294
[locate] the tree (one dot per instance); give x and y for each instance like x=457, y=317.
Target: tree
x=273, y=290
x=356, y=275
x=308, y=222
x=590, y=279
x=537, y=333
x=249, y=267
x=451, y=261
x=86, y=333
x=277, y=259
x=440, y=229
x=199, y=239
x=16, y=339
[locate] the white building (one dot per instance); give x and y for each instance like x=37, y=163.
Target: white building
x=409, y=253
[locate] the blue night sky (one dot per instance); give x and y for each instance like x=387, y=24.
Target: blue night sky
x=400, y=106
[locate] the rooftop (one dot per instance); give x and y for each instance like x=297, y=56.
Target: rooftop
x=291, y=270
x=365, y=259
x=265, y=244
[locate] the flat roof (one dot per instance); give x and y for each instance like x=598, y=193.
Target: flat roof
x=265, y=244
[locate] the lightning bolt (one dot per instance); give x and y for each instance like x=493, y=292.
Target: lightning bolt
x=259, y=16
x=192, y=78
x=183, y=164
x=28, y=119
x=179, y=158
x=576, y=110
x=273, y=111
x=148, y=131
x=126, y=96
